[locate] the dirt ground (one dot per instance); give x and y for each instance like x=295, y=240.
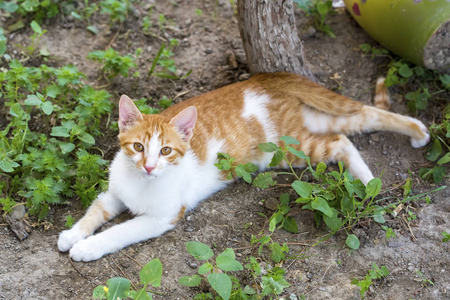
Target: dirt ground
x=34, y=268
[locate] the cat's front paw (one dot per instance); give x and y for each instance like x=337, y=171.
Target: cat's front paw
x=423, y=137
x=89, y=249
x=68, y=238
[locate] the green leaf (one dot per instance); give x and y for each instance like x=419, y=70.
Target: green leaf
x=117, y=287
x=36, y=28
x=87, y=138
x=444, y=159
x=226, y=261
x=285, y=199
x=99, y=292
x=199, y=250
x=221, y=283
x=9, y=6
x=8, y=165
x=365, y=47
x=264, y=180
x=47, y=108
x=352, y=241
x=205, y=268
x=32, y=100
x=373, y=187
x=60, y=131
x=302, y=188
x=438, y=174
x=288, y=140
x=250, y=167
x=273, y=284
x=290, y=225
x=3, y=41
x=53, y=90
x=407, y=187
x=66, y=147
x=276, y=159
x=190, y=281
x=322, y=8
x=405, y=71
x=445, y=236
x=241, y=172
x=278, y=252
x=151, y=273
x=92, y=29
x=299, y=154
x=321, y=167
x=445, y=80
x=435, y=151
x=321, y=204
x=268, y=147
x=141, y=295
x=333, y=222
x=379, y=218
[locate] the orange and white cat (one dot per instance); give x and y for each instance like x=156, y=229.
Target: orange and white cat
x=166, y=162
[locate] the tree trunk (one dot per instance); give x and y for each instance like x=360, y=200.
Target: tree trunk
x=270, y=38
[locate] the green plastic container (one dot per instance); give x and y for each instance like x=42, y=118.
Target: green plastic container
x=418, y=30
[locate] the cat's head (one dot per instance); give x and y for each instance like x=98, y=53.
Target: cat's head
x=153, y=142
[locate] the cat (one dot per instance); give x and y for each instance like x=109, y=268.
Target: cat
x=166, y=162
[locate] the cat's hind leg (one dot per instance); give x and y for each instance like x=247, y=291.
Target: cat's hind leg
x=367, y=119
x=103, y=209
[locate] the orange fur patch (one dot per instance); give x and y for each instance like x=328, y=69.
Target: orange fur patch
x=179, y=216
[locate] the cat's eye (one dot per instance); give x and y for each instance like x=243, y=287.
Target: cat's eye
x=166, y=150
x=138, y=147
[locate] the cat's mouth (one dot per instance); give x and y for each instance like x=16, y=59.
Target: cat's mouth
x=150, y=175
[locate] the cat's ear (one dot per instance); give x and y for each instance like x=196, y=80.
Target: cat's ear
x=129, y=114
x=184, y=122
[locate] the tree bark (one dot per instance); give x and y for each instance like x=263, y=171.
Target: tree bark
x=270, y=38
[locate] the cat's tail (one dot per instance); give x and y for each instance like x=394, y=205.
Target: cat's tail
x=381, y=99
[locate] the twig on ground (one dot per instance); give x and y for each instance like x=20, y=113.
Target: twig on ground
x=78, y=271
x=123, y=273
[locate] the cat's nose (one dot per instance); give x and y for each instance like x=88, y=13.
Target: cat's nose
x=149, y=169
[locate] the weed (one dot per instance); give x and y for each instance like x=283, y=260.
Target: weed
x=35, y=39
x=374, y=274
x=319, y=9
x=85, y=14
x=338, y=200
x=425, y=281
x=116, y=9
x=164, y=61
x=389, y=232
x=38, y=9
x=113, y=63
x=41, y=166
x=411, y=216
x=373, y=51
x=199, y=12
x=69, y=221
x=2, y=42
x=439, y=149
x=445, y=236
x=215, y=273
x=120, y=288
